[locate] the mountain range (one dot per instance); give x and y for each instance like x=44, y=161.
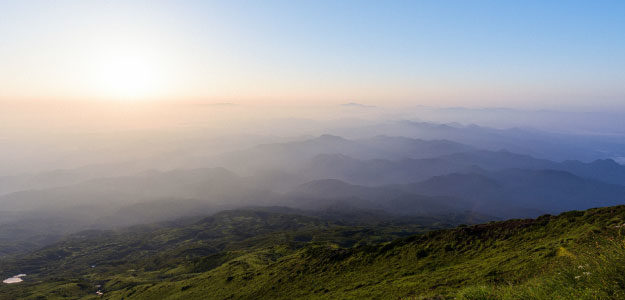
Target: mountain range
x=391, y=175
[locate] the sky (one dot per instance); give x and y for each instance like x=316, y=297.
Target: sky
x=519, y=54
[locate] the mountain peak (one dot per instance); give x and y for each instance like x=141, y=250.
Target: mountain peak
x=330, y=138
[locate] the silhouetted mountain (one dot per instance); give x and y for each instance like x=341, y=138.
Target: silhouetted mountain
x=213, y=185
x=356, y=105
x=62, y=177
x=537, y=143
x=382, y=171
x=516, y=192
x=602, y=169
x=118, y=201
x=606, y=170
x=292, y=156
x=321, y=194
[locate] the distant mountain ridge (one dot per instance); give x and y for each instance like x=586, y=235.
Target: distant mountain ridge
x=517, y=192
x=394, y=175
x=292, y=155
x=383, y=171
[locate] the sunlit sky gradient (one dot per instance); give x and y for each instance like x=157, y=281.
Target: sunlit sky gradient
x=448, y=53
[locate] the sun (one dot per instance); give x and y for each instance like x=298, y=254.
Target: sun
x=128, y=73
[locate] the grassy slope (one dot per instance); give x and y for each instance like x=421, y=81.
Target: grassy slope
x=473, y=262
x=573, y=255
x=148, y=254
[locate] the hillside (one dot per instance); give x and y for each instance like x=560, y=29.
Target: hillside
x=287, y=150
x=285, y=256
x=398, y=175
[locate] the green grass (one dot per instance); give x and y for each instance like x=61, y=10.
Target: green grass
x=597, y=272
x=576, y=255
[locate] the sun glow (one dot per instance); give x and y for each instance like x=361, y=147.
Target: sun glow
x=128, y=73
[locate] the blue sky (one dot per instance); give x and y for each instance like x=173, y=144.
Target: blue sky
x=469, y=53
